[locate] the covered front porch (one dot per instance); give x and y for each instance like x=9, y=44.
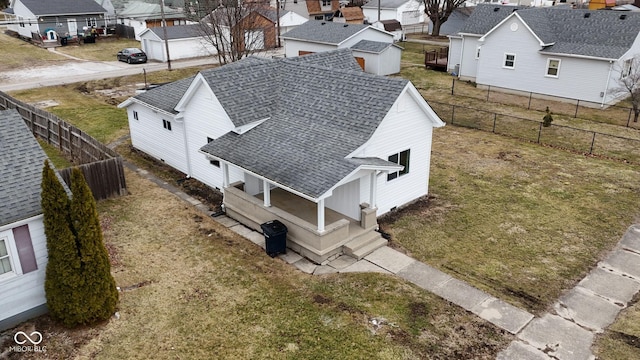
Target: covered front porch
x=314, y=230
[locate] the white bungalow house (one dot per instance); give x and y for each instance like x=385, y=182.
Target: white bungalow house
x=185, y=41
x=53, y=19
x=290, y=20
x=373, y=48
x=564, y=53
x=301, y=141
x=23, y=248
x=142, y=15
x=407, y=12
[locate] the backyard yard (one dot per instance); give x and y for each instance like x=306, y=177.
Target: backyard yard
x=521, y=221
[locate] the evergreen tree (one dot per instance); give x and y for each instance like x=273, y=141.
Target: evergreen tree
x=78, y=285
x=62, y=277
x=98, y=289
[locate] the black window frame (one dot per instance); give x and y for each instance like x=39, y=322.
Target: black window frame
x=401, y=158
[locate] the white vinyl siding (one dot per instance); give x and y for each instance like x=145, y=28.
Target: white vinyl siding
x=553, y=68
x=23, y=292
x=150, y=136
x=345, y=199
x=205, y=118
x=5, y=257
x=385, y=63
x=399, y=131
x=179, y=49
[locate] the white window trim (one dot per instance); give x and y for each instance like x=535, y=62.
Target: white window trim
x=626, y=68
x=13, y=258
x=546, y=73
x=135, y=115
x=504, y=61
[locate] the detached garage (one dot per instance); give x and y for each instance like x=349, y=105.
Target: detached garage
x=185, y=41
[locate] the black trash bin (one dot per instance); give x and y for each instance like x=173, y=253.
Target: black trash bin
x=275, y=237
x=63, y=41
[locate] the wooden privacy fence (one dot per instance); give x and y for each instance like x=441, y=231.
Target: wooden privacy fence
x=77, y=146
x=105, y=178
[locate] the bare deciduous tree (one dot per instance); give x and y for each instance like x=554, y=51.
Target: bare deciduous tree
x=439, y=11
x=235, y=28
x=629, y=83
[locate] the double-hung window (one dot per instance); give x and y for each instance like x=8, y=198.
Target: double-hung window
x=553, y=67
x=5, y=258
x=401, y=158
x=510, y=61
x=166, y=124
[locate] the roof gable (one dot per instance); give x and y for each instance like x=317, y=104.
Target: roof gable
x=485, y=16
x=63, y=7
x=21, y=162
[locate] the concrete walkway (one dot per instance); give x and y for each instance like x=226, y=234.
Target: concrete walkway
x=565, y=334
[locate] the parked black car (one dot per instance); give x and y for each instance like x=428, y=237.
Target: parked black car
x=132, y=55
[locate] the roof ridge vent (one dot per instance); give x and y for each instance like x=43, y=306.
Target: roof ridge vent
x=587, y=15
x=322, y=23
x=623, y=16
x=496, y=9
x=345, y=25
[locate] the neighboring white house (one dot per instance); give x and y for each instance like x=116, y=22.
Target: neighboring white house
x=185, y=41
x=142, y=15
x=299, y=146
x=53, y=19
x=407, y=12
x=373, y=47
x=565, y=53
x=23, y=248
x=290, y=20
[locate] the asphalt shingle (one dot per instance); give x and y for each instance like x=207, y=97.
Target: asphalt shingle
x=63, y=7
x=21, y=162
x=371, y=46
x=485, y=17
x=326, y=32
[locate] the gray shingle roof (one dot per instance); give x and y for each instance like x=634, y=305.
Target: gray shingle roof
x=21, y=161
x=166, y=97
x=316, y=117
x=59, y=7
x=326, y=32
x=371, y=46
x=337, y=59
x=179, y=31
x=485, y=17
x=148, y=11
x=602, y=34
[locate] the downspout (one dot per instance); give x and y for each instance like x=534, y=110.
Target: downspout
x=461, y=53
x=606, y=87
x=186, y=146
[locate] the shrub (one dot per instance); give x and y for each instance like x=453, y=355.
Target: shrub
x=547, y=119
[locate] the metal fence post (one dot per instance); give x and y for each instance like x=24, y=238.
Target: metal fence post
x=494, y=122
x=529, y=106
x=539, y=132
x=629, y=117
x=453, y=111
x=453, y=84
x=577, y=104
x=488, y=92
x=593, y=140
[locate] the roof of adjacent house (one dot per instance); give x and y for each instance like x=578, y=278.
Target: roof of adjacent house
x=603, y=34
x=315, y=117
x=385, y=4
x=63, y=7
x=371, y=46
x=165, y=97
x=178, y=31
x=314, y=7
x=327, y=32
x=485, y=17
x=391, y=25
x=147, y=11
x=21, y=162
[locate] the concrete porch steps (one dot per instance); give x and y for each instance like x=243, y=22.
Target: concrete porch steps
x=364, y=245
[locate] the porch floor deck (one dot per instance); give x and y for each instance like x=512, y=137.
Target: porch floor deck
x=303, y=208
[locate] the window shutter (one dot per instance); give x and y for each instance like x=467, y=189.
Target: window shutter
x=25, y=249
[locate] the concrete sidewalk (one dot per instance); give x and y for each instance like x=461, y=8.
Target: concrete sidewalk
x=565, y=334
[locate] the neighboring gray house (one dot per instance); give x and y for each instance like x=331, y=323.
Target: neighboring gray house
x=377, y=54
x=455, y=22
x=566, y=53
x=185, y=41
x=23, y=246
x=314, y=142
x=53, y=19
x=407, y=12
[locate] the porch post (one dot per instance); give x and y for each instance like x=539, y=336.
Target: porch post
x=373, y=189
x=225, y=175
x=321, y=215
x=267, y=193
